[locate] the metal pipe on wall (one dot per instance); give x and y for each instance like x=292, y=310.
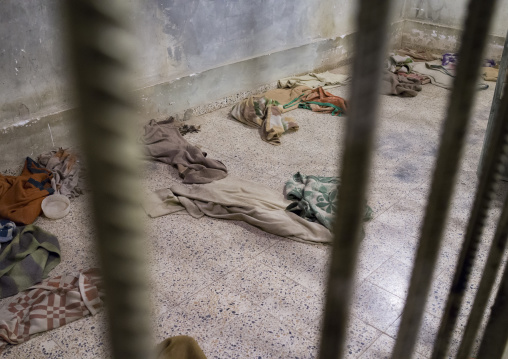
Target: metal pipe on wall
x=370, y=47
x=473, y=42
x=103, y=46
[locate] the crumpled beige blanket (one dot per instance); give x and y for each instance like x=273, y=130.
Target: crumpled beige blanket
x=67, y=175
x=394, y=84
x=266, y=114
x=285, y=96
x=326, y=80
x=490, y=73
x=164, y=143
x=241, y=200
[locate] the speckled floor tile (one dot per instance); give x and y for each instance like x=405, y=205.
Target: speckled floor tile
x=37, y=348
x=376, y=306
x=426, y=336
x=359, y=337
x=382, y=349
x=295, y=305
x=257, y=334
x=85, y=338
x=178, y=321
x=393, y=276
x=257, y=281
x=290, y=258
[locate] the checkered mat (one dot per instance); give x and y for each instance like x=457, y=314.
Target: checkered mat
x=52, y=303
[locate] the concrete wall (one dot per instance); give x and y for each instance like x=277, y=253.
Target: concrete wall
x=437, y=24
x=193, y=53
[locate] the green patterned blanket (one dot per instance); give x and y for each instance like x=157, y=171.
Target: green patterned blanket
x=315, y=198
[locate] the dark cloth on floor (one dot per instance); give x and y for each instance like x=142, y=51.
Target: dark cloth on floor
x=183, y=127
x=265, y=114
x=164, y=143
x=21, y=196
x=179, y=347
x=27, y=259
x=422, y=78
x=319, y=100
x=315, y=198
x=241, y=200
x=287, y=96
x=66, y=168
x=49, y=305
x=7, y=229
x=393, y=84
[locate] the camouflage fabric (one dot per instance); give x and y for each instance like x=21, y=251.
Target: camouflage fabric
x=264, y=113
x=315, y=198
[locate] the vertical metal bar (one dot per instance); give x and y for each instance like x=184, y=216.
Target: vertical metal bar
x=495, y=157
x=103, y=45
x=370, y=46
x=496, y=99
x=497, y=249
x=443, y=181
x=495, y=337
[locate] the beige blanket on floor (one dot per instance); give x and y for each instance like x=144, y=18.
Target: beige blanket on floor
x=242, y=200
x=286, y=95
x=326, y=80
x=266, y=114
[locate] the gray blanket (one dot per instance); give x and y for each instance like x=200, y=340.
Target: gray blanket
x=163, y=142
x=27, y=259
x=66, y=168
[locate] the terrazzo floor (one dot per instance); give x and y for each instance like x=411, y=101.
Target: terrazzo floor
x=243, y=293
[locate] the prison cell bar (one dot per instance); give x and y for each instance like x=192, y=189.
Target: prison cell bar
x=498, y=246
x=370, y=47
x=493, y=167
x=443, y=181
x=103, y=46
x=495, y=338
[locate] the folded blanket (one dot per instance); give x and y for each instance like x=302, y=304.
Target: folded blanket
x=164, y=143
x=264, y=113
x=64, y=164
x=326, y=80
x=319, y=100
x=393, y=84
x=21, y=196
x=50, y=304
x=315, y=198
x=286, y=96
x=399, y=63
x=179, y=347
x=27, y=259
x=490, y=73
x=241, y=200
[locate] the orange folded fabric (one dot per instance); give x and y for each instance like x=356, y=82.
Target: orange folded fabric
x=21, y=196
x=319, y=100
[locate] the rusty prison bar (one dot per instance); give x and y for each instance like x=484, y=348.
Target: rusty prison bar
x=103, y=46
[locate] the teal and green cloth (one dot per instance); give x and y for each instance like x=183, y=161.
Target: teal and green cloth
x=266, y=114
x=27, y=259
x=315, y=198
